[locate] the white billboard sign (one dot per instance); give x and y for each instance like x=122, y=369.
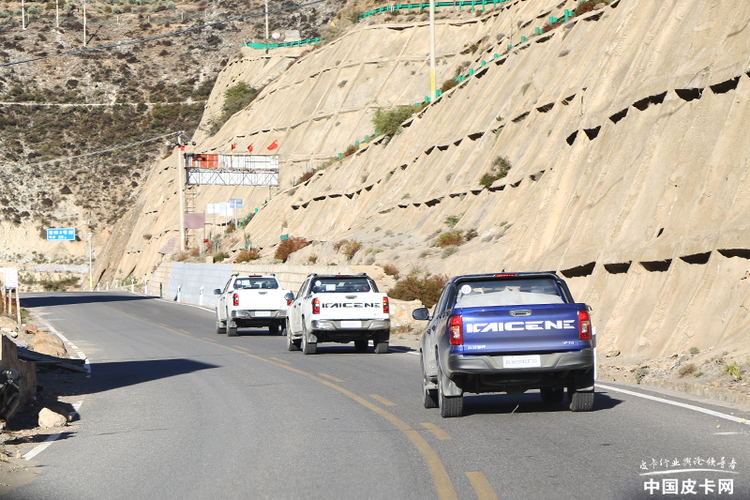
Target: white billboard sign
x=10, y=277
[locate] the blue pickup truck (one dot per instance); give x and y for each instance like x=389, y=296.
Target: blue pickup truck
x=506, y=332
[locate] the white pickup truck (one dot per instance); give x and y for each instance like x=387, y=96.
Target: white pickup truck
x=254, y=300
x=341, y=308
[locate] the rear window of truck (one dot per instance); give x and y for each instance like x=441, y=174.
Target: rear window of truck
x=341, y=285
x=256, y=283
x=507, y=292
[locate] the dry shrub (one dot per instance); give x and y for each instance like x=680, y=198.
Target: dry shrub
x=289, y=246
x=419, y=285
x=248, y=254
x=347, y=247
x=391, y=270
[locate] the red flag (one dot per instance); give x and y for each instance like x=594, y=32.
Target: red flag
x=232, y=147
x=250, y=148
x=274, y=145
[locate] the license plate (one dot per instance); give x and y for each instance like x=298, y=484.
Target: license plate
x=351, y=324
x=262, y=314
x=531, y=361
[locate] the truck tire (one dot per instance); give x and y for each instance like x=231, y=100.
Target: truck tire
x=580, y=401
x=360, y=345
x=292, y=344
x=381, y=348
x=450, y=406
x=552, y=395
x=273, y=329
x=231, y=328
x=429, y=396
x=221, y=327
x=307, y=347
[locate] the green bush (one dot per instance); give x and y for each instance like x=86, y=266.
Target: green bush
x=419, y=286
x=734, y=370
x=219, y=256
x=347, y=247
x=388, y=122
x=451, y=239
x=686, y=370
x=452, y=220
x=498, y=170
x=236, y=98
x=289, y=246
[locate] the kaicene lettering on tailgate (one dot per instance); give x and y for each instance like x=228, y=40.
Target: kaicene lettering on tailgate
x=333, y=305
x=514, y=326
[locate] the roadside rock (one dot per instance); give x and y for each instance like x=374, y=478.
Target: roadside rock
x=31, y=329
x=45, y=343
x=49, y=418
x=6, y=322
x=9, y=332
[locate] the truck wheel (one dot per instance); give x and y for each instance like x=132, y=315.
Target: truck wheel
x=221, y=327
x=308, y=347
x=450, y=406
x=273, y=329
x=552, y=395
x=580, y=401
x=429, y=398
x=291, y=343
x=360, y=345
x=381, y=348
x=231, y=328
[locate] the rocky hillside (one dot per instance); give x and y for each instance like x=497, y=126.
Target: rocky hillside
x=79, y=130
x=608, y=146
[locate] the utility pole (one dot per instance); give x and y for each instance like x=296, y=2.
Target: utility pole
x=57, y=14
x=266, y=19
x=23, y=14
x=84, y=23
x=180, y=191
x=433, y=93
x=91, y=277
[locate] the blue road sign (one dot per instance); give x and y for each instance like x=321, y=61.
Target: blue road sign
x=235, y=203
x=61, y=234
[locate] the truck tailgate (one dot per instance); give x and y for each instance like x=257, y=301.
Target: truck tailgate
x=351, y=305
x=255, y=300
x=539, y=328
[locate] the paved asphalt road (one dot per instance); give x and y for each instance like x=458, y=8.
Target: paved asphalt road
x=173, y=410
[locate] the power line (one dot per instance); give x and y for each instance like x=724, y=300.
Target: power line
x=109, y=150
x=143, y=40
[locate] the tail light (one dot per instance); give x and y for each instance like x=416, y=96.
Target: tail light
x=584, y=326
x=456, y=331
x=316, y=306
x=289, y=302
x=236, y=300
x=386, y=306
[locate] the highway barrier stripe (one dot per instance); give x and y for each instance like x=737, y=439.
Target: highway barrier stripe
x=437, y=431
x=716, y=414
x=440, y=478
x=481, y=486
x=328, y=377
x=382, y=400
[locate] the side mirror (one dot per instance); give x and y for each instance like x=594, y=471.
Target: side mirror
x=289, y=297
x=421, y=314
x=217, y=291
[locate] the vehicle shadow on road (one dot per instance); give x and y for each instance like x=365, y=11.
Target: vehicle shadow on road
x=30, y=301
x=526, y=403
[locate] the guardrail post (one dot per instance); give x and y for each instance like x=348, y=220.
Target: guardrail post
x=117, y=283
x=145, y=287
x=160, y=294
x=97, y=287
x=106, y=287
x=132, y=285
x=179, y=293
x=200, y=300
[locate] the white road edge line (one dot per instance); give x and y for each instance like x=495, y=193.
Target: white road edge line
x=732, y=418
x=51, y=439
